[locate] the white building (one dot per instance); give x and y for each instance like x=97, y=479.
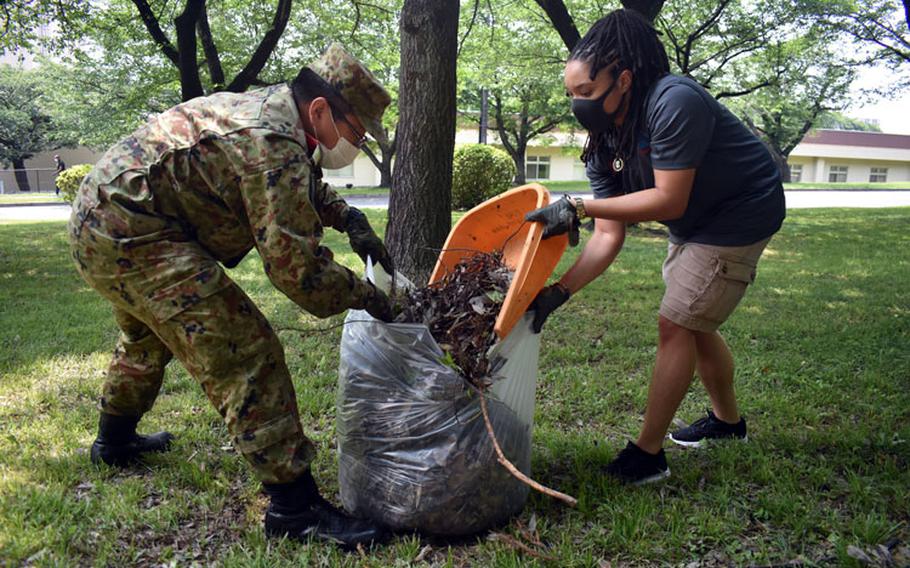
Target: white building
x=822, y=156
x=850, y=156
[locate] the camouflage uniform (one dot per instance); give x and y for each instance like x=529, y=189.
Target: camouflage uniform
x=199, y=186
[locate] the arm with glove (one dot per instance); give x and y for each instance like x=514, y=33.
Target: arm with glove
x=600, y=251
x=288, y=229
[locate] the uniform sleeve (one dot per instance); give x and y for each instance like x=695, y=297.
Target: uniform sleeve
x=332, y=208
x=603, y=182
x=681, y=126
x=287, y=230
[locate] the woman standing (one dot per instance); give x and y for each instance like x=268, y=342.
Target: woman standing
x=660, y=148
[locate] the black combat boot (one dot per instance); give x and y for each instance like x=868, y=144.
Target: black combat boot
x=298, y=511
x=119, y=444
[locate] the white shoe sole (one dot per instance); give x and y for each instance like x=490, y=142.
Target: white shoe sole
x=654, y=478
x=701, y=443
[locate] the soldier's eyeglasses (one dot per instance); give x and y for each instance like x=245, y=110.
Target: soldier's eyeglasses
x=361, y=138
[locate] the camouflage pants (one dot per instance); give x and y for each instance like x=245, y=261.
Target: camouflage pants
x=172, y=299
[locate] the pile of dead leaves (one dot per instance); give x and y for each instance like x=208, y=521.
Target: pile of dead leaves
x=460, y=310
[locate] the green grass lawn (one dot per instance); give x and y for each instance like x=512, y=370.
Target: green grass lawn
x=25, y=198
x=360, y=190
x=823, y=351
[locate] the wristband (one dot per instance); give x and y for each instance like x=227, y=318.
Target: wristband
x=580, y=208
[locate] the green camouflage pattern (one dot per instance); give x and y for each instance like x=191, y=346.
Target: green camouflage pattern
x=199, y=186
x=357, y=85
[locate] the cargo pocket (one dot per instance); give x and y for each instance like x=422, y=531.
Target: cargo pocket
x=726, y=288
x=167, y=302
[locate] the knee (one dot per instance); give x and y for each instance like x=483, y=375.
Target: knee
x=669, y=331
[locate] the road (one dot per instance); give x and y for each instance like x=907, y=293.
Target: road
x=795, y=200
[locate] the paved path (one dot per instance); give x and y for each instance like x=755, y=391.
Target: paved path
x=795, y=200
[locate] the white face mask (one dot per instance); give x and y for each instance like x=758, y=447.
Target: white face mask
x=341, y=155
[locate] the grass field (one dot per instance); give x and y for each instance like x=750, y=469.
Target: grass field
x=823, y=352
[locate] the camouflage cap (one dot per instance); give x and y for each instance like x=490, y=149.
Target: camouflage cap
x=356, y=84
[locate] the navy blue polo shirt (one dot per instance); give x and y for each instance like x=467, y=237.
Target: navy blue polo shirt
x=737, y=197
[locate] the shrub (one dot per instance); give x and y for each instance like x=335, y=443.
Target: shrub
x=69, y=179
x=479, y=173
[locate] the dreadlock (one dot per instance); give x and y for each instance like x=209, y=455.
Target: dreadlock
x=623, y=39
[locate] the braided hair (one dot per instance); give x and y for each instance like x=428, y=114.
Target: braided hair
x=623, y=39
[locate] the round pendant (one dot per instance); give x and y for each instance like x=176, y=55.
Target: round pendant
x=618, y=164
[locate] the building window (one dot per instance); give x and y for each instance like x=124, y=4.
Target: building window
x=796, y=173
x=537, y=167
x=878, y=175
x=345, y=172
x=837, y=174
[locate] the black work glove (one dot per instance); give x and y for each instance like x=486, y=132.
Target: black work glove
x=364, y=240
x=559, y=218
x=546, y=302
x=378, y=305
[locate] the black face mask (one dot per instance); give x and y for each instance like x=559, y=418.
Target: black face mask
x=591, y=114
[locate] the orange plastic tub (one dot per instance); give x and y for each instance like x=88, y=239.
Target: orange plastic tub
x=499, y=224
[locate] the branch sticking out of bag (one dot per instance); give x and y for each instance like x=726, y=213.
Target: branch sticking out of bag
x=568, y=499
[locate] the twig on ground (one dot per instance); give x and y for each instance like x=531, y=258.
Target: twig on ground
x=568, y=499
x=513, y=542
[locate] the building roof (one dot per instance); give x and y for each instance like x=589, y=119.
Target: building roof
x=857, y=138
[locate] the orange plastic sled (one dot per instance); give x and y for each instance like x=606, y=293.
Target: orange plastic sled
x=499, y=224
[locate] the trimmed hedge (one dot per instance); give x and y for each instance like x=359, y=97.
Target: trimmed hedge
x=480, y=172
x=69, y=179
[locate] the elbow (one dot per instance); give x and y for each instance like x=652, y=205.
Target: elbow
x=319, y=309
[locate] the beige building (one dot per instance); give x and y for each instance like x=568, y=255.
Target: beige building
x=822, y=156
x=851, y=157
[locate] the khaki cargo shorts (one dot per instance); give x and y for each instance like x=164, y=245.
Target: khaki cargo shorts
x=706, y=282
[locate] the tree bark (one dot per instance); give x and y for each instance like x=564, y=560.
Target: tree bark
x=21, y=174
x=185, y=23
x=519, y=158
x=154, y=29
x=387, y=150
x=383, y=162
x=649, y=8
x=780, y=160
x=216, y=73
x=562, y=21
x=420, y=204
x=251, y=71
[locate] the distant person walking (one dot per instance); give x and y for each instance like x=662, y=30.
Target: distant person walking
x=60, y=167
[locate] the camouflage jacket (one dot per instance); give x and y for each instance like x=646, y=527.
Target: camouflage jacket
x=231, y=171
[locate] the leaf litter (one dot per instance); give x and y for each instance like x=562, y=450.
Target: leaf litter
x=460, y=311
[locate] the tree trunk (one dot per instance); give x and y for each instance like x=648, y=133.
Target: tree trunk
x=520, y=151
x=385, y=167
x=21, y=175
x=420, y=204
x=520, y=171
x=648, y=8
x=185, y=23
x=780, y=160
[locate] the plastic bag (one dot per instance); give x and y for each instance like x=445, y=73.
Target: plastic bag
x=414, y=452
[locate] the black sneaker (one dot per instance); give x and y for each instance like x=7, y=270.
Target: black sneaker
x=709, y=428
x=635, y=466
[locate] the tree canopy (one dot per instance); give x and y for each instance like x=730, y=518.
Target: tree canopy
x=25, y=128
